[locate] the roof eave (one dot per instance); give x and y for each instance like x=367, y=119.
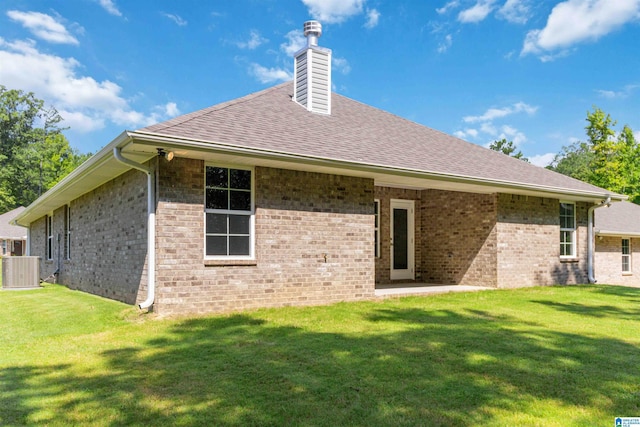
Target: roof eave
x=614, y=233
x=172, y=142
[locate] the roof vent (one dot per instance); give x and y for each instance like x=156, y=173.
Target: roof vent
x=312, y=31
x=312, y=80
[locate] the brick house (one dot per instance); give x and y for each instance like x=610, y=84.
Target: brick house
x=617, y=244
x=297, y=196
x=13, y=238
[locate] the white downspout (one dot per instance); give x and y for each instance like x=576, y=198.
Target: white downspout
x=607, y=203
x=151, y=226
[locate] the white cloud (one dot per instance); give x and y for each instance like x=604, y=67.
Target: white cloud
x=445, y=44
x=171, y=109
x=477, y=12
x=464, y=134
x=81, y=122
x=575, y=21
x=624, y=93
x=512, y=134
x=175, y=18
x=373, y=16
x=295, y=41
x=269, y=75
x=515, y=11
x=86, y=103
x=447, y=7
x=110, y=7
x=341, y=65
x=489, y=129
x=495, y=113
x=43, y=26
x=255, y=40
x=333, y=11
x=542, y=160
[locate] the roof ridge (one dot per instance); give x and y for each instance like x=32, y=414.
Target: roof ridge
x=186, y=118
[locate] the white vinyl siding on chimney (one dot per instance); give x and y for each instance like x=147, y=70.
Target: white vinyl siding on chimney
x=313, y=80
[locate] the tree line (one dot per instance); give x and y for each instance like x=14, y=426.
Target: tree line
x=34, y=154
x=608, y=158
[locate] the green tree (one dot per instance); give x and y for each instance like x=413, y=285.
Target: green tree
x=34, y=154
x=574, y=160
x=608, y=159
x=507, y=147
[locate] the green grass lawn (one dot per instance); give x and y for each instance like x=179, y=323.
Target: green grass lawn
x=555, y=356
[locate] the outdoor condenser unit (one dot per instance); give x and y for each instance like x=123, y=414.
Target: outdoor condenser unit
x=19, y=272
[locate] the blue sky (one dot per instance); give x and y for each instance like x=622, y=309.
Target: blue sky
x=524, y=70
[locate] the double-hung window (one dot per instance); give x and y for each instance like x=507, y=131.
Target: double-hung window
x=567, y=229
x=626, y=256
x=228, y=212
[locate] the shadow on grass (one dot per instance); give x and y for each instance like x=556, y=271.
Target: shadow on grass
x=601, y=310
x=411, y=367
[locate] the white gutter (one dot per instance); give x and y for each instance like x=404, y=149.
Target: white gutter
x=607, y=203
x=614, y=233
x=177, y=143
x=151, y=226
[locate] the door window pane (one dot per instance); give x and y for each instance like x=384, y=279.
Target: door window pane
x=400, y=240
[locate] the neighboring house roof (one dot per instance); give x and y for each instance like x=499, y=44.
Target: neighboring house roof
x=620, y=219
x=9, y=231
x=268, y=129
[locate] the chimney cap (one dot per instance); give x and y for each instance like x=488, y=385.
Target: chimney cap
x=313, y=28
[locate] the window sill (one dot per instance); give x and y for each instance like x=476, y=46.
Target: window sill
x=626, y=273
x=569, y=259
x=229, y=262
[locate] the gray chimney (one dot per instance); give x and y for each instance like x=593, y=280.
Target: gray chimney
x=312, y=79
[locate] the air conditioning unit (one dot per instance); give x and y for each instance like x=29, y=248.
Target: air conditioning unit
x=21, y=272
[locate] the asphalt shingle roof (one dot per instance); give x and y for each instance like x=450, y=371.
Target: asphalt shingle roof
x=621, y=218
x=354, y=132
x=8, y=231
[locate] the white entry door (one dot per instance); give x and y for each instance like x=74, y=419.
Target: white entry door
x=402, y=240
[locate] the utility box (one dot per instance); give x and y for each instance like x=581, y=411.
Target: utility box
x=20, y=272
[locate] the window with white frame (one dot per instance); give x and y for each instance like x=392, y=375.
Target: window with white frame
x=49, y=227
x=626, y=256
x=67, y=233
x=567, y=229
x=376, y=206
x=228, y=212
x=4, y=247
